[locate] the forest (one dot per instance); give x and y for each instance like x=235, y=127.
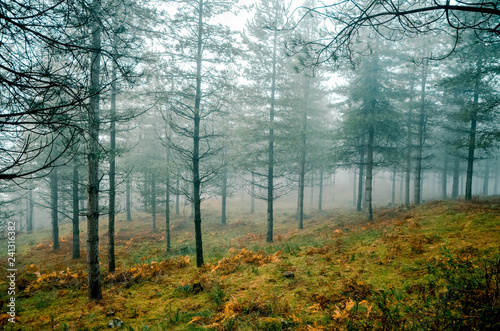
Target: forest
x=250, y=164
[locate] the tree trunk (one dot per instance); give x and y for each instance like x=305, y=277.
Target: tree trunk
x=167, y=193
x=393, y=191
x=486, y=178
x=444, y=184
x=472, y=135
x=409, y=145
x=333, y=187
x=112, y=174
x=94, y=273
x=497, y=179
x=401, y=187
x=369, y=173
x=177, y=195
x=421, y=137
x=456, y=178
x=127, y=199
x=153, y=200
x=270, y=172
x=54, y=207
x=354, y=189
x=312, y=190
x=224, y=197
x=302, y=173
x=320, y=197
x=82, y=195
x=252, y=195
x=29, y=220
x=196, y=143
x=360, y=181
x=76, y=211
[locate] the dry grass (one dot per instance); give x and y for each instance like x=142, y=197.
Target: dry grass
x=340, y=263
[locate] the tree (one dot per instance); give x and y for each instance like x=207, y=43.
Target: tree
x=201, y=50
x=307, y=96
x=42, y=87
x=266, y=46
x=472, y=88
x=395, y=20
x=370, y=122
x=94, y=273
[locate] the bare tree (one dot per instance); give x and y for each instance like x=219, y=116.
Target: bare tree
x=395, y=20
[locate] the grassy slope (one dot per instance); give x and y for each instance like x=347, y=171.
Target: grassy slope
x=340, y=265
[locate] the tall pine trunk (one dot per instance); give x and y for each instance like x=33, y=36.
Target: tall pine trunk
x=252, y=194
x=302, y=173
x=94, y=273
x=369, y=173
x=76, y=211
x=421, y=136
x=270, y=172
x=361, y=174
x=472, y=135
x=153, y=200
x=456, y=178
x=127, y=199
x=354, y=176
x=409, y=145
x=444, y=183
x=177, y=195
x=497, y=179
x=486, y=178
x=196, y=143
x=29, y=219
x=224, y=197
x=393, y=189
x=167, y=193
x=320, y=197
x=112, y=173
x=54, y=187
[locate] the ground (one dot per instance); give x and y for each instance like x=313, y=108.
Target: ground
x=434, y=266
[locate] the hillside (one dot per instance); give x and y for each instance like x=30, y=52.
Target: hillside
x=435, y=266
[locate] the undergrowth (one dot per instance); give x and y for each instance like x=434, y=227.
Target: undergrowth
x=434, y=267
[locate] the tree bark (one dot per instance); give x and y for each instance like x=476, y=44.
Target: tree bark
x=360, y=181
x=76, y=211
x=302, y=173
x=196, y=143
x=472, y=135
x=29, y=220
x=444, y=184
x=270, y=172
x=497, y=179
x=393, y=190
x=94, y=273
x=486, y=178
x=177, y=196
x=369, y=173
x=54, y=187
x=320, y=197
x=127, y=199
x=421, y=137
x=153, y=200
x=409, y=145
x=112, y=173
x=456, y=178
x=224, y=197
x=354, y=188
x=167, y=194
x=333, y=187
x=252, y=195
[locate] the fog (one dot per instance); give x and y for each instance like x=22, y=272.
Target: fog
x=114, y=108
